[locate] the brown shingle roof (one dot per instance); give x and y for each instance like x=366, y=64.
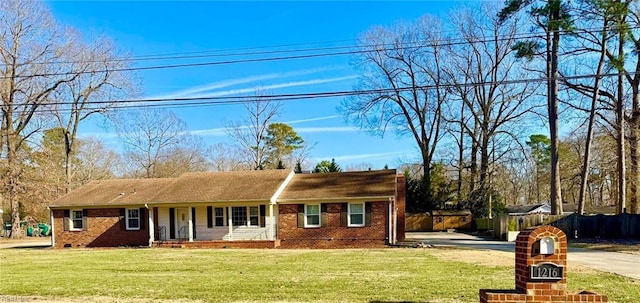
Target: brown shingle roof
x=317, y=186
x=225, y=186
x=114, y=192
x=189, y=187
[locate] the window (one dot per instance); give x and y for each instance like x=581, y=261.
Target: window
x=439, y=219
x=77, y=219
x=253, y=216
x=239, y=216
x=133, y=218
x=356, y=214
x=312, y=215
x=464, y=219
x=219, y=216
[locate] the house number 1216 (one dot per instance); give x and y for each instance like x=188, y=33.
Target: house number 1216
x=546, y=271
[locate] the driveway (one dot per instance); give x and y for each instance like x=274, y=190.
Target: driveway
x=622, y=264
x=35, y=242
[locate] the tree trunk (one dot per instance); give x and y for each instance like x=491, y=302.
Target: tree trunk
x=473, y=166
x=461, y=153
x=620, y=141
x=634, y=153
x=584, y=173
x=426, y=176
x=12, y=180
x=552, y=106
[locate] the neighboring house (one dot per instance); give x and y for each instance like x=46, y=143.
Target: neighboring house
x=252, y=209
x=519, y=210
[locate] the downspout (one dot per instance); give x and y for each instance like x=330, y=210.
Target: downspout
x=395, y=222
x=53, y=237
x=390, y=232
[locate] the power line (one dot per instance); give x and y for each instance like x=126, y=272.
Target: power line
x=363, y=49
x=216, y=101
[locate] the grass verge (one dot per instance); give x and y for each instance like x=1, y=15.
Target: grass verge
x=383, y=275
x=622, y=246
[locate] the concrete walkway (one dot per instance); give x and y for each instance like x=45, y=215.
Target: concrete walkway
x=622, y=264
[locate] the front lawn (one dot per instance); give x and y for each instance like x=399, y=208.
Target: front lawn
x=268, y=275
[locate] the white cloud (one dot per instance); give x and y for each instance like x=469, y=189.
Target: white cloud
x=272, y=86
x=189, y=92
x=312, y=119
x=221, y=131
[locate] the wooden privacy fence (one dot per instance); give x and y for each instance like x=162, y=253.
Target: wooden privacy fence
x=418, y=222
x=504, y=223
x=600, y=226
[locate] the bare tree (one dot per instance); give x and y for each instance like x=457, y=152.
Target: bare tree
x=249, y=134
x=483, y=67
x=95, y=82
x=594, y=42
x=402, y=85
x=96, y=161
x=553, y=17
x=150, y=136
x=31, y=68
x=224, y=157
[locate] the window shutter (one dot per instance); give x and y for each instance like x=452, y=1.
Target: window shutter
x=143, y=218
x=193, y=221
x=67, y=219
x=323, y=215
x=344, y=214
x=172, y=223
x=85, y=216
x=367, y=213
x=209, y=216
x=123, y=220
x=300, y=215
x=263, y=212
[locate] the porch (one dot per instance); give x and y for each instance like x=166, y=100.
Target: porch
x=213, y=225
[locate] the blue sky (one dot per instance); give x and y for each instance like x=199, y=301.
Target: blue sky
x=167, y=27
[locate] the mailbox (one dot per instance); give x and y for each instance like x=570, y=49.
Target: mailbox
x=544, y=246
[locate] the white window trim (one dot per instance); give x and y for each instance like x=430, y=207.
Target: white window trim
x=249, y=216
x=126, y=218
x=72, y=217
x=215, y=217
x=306, y=213
x=364, y=213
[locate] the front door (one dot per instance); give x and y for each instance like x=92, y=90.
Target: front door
x=182, y=222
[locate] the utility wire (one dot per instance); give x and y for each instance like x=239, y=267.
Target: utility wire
x=216, y=101
x=362, y=49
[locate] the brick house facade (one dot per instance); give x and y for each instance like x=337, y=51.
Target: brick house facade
x=101, y=228
x=335, y=231
x=250, y=209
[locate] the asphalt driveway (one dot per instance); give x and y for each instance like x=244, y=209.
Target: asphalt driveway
x=622, y=264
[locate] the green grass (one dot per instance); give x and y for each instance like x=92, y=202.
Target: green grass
x=267, y=275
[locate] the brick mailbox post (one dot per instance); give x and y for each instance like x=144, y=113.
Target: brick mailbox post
x=541, y=271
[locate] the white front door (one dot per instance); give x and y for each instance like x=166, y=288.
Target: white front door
x=182, y=223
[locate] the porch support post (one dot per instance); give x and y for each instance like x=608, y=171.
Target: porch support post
x=53, y=234
x=190, y=226
x=152, y=227
x=230, y=222
x=272, y=227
